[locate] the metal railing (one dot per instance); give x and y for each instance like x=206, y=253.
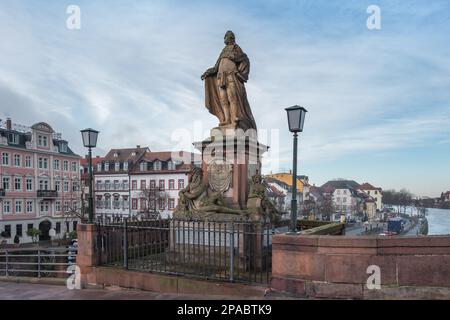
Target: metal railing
x=47, y=194
x=25, y=262
x=235, y=251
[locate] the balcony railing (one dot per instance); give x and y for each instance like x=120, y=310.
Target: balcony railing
x=2, y=193
x=112, y=187
x=47, y=194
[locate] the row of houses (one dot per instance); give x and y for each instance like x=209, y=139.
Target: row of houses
x=137, y=182
x=332, y=200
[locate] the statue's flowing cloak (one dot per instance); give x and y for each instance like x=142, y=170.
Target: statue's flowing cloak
x=212, y=101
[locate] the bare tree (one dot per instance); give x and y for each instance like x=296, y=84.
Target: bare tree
x=75, y=205
x=152, y=196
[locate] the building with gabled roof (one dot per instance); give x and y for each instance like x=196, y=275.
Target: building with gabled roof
x=40, y=179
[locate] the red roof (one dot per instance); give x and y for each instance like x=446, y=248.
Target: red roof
x=368, y=186
x=84, y=161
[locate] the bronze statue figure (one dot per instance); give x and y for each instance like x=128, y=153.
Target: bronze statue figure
x=225, y=95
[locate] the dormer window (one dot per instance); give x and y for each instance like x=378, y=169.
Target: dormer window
x=63, y=147
x=99, y=167
x=117, y=166
x=106, y=166
x=171, y=165
x=142, y=166
x=13, y=138
x=116, y=154
x=157, y=165
x=133, y=153
x=125, y=166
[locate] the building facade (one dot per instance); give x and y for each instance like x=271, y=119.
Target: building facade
x=40, y=181
x=137, y=182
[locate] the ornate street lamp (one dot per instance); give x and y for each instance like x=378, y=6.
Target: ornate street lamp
x=296, y=119
x=90, y=141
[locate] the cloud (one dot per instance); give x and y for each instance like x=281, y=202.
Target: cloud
x=133, y=71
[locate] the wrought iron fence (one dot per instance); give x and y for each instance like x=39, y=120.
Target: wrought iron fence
x=48, y=262
x=236, y=251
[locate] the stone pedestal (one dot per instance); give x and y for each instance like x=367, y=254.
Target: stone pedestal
x=230, y=159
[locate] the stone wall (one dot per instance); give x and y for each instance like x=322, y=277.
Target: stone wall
x=336, y=266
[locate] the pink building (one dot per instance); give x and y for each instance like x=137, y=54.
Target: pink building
x=39, y=176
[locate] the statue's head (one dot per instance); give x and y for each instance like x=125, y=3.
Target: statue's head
x=196, y=172
x=229, y=37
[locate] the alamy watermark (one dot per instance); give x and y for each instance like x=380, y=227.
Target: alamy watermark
x=374, y=280
x=374, y=20
x=73, y=22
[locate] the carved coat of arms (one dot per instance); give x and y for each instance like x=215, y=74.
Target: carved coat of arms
x=219, y=175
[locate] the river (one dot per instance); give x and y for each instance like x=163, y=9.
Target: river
x=438, y=221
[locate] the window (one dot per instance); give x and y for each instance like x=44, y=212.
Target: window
x=8, y=231
x=66, y=186
x=39, y=140
x=63, y=147
x=74, y=167
x=162, y=204
x=106, y=166
x=17, y=160
x=29, y=206
x=58, y=228
x=125, y=184
x=13, y=138
x=19, y=230
x=344, y=199
x=171, y=204
x=43, y=163
x=5, y=159
x=143, y=184
x=152, y=184
x=161, y=184
x=116, y=185
x=171, y=184
x=143, y=204
x=345, y=191
x=66, y=206
x=116, y=154
x=66, y=165
x=58, y=206
x=171, y=165
x=134, y=203
x=7, y=207
x=99, y=167
x=117, y=166
x=338, y=191
x=6, y=183
x=157, y=165
x=180, y=184
x=338, y=199
x=67, y=226
x=30, y=226
x=44, y=141
x=18, y=184
x=142, y=166
x=125, y=166
x=43, y=184
x=133, y=184
x=107, y=184
x=28, y=162
x=56, y=164
x=44, y=206
x=29, y=183
x=58, y=185
x=74, y=185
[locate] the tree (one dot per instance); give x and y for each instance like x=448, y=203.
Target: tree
x=34, y=234
x=326, y=206
x=151, y=197
x=75, y=206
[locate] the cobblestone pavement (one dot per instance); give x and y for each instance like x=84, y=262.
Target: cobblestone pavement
x=30, y=291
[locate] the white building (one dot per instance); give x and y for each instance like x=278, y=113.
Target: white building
x=374, y=192
x=137, y=182
x=160, y=173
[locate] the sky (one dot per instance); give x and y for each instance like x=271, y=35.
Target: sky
x=378, y=101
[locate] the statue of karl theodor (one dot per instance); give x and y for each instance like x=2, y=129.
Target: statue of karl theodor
x=225, y=95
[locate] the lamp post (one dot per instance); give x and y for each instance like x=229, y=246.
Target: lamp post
x=90, y=141
x=296, y=119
